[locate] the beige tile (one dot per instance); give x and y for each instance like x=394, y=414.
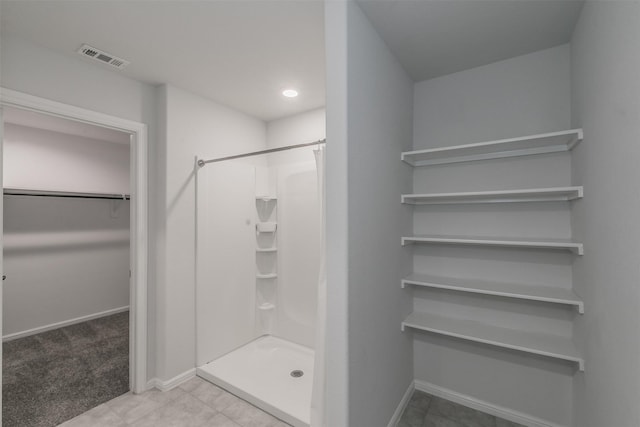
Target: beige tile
x=192, y=384
x=248, y=415
x=100, y=416
x=185, y=411
x=219, y=420
x=132, y=407
x=214, y=396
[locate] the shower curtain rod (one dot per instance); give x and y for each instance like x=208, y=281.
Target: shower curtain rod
x=201, y=163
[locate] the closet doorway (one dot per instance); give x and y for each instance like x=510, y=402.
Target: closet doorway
x=74, y=240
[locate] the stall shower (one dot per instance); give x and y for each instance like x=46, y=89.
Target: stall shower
x=260, y=271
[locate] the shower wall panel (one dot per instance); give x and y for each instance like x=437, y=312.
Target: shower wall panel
x=226, y=280
x=298, y=252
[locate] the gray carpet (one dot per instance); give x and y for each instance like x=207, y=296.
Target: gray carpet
x=51, y=377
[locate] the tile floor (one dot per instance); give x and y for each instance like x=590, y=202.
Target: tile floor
x=425, y=410
x=195, y=403
x=198, y=403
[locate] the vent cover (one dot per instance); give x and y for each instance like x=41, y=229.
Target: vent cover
x=102, y=56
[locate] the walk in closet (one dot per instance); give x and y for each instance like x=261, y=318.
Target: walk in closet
x=66, y=262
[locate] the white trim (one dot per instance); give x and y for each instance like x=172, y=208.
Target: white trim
x=481, y=405
x=395, y=418
x=173, y=382
x=45, y=328
x=139, y=206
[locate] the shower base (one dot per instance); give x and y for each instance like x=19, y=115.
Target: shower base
x=262, y=373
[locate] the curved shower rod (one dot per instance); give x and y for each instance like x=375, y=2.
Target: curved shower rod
x=201, y=163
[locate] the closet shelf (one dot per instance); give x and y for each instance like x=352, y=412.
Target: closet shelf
x=506, y=196
x=266, y=306
x=266, y=198
x=266, y=276
x=530, y=342
x=576, y=248
x=266, y=250
x=509, y=290
x=535, y=144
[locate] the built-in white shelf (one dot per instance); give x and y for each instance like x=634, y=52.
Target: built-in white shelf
x=564, y=244
x=266, y=276
x=535, y=144
x=557, y=194
x=266, y=227
x=266, y=198
x=509, y=290
x=266, y=250
x=266, y=306
x=542, y=344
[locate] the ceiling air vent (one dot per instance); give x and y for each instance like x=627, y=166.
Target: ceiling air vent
x=102, y=56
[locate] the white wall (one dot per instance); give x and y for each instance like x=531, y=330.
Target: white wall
x=294, y=175
x=193, y=126
x=517, y=97
x=337, y=209
x=606, y=103
x=64, y=259
x=379, y=104
x=40, y=159
x=29, y=68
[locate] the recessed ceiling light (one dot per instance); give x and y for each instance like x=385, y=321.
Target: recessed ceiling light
x=290, y=93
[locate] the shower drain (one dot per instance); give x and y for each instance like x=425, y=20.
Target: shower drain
x=297, y=373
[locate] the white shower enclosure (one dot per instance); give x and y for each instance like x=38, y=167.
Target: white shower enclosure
x=258, y=263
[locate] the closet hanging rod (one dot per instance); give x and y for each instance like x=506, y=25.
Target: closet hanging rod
x=201, y=163
x=67, y=194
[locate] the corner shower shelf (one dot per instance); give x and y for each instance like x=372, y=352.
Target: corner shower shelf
x=266, y=306
x=506, y=196
x=266, y=276
x=535, y=144
x=530, y=342
x=576, y=248
x=519, y=291
x=266, y=250
x=266, y=227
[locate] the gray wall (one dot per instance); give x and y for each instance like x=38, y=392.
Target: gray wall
x=606, y=103
x=29, y=68
x=379, y=103
x=64, y=259
x=517, y=97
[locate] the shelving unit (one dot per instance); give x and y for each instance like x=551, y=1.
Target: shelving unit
x=508, y=290
x=542, y=344
x=266, y=262
x=558, y=194
x=553, y=142
x=563, y=244
x=266, y=276
x=266, y=306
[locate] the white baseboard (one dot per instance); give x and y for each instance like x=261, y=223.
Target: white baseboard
x=480, y=405
x=402, y=406
x=45, y=328
x=173, y=382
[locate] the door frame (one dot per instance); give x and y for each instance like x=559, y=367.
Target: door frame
x=138, y=242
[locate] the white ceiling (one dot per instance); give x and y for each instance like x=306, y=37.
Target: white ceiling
x=32, y=119
x=432, y=38
x=243, y=53
x=239, y=53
